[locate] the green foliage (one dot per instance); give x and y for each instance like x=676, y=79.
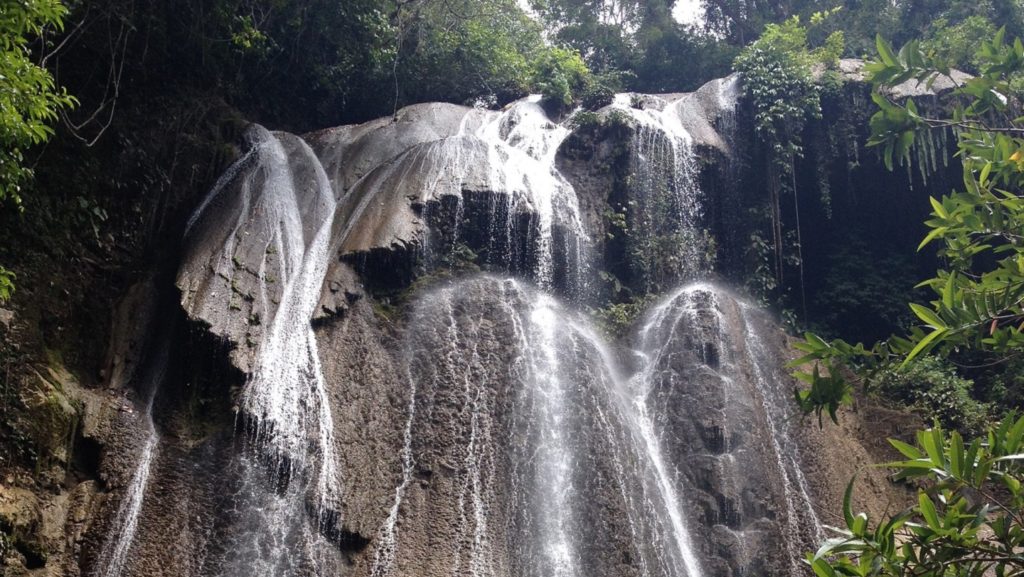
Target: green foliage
x=560, y=75
x=637, y=39
x=956, y=45
x=779, y=83
x=464, y=51
x=617, y=318
x=29, y=99
x=778, y=79
x=863, y=295
x=932, y=386
x=968, y=517
x=979, y=297
x=6, y=284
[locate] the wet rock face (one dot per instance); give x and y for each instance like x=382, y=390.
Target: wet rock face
x=723, y=412
x=485, y=429
x=509, y=463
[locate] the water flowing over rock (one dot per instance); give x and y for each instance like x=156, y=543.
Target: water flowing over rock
x=387, y=368
x=114, y=552
x=721, y=408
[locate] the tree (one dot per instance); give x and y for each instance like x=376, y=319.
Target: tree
x=979, y=302
x=29, y=99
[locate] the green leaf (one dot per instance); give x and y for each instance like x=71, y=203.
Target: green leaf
x=983, y=179
x=847, y=500
x=885, y=51
x=927, y=509
x=923, y=345
x=956, y=455
x=932, y=234
x=947, y=291
x=928, y=316
x=909, y=451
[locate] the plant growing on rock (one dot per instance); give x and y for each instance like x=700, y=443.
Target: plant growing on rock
x=779, y=82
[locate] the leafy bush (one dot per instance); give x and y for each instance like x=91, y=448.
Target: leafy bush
x=956, y=44
x=560, y=75
x=6, y=284
x=617, y=318
x=863, y=293
x=932, y=386
x=967, y=519
x=778, y=74
x=29, y=99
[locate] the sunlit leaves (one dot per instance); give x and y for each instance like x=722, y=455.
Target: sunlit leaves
x=29, y=99
x=967, y=520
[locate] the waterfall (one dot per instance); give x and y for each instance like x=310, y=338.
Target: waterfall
x=285, y=400
x=668, y=242
x=114, y=553
x=508, y=437
x=523, y=143
x=498, y=359
x=778, y=406
x=702, y=348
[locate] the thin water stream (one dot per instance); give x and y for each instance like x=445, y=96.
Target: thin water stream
x=114, y=553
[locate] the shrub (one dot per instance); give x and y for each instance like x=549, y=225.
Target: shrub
x=931, y=385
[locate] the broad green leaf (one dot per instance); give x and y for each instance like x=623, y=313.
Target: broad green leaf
x=908, y=450
x=927, y=509
x=923, y=345
x=885, y=51
x=928, y=316
x=932, y=234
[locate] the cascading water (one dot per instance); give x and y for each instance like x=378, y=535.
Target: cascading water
x=526, y=508
x=522, y=144
x=509, y=440
x=704, y=360
x=668, y=241
x=288, y=209
x=801, y=516
x=114, y=554
x=285, y=400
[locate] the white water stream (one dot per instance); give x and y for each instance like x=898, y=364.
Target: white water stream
x=114, y=554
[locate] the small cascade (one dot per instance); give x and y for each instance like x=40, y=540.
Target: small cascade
x=668, y=242
x=801, y=517
x=523, y=142
x=276, y=258
x=114, y=554
x=489, y=183
x=553, y=457
x=270, y=533
x=286, y=397
x=705, y=362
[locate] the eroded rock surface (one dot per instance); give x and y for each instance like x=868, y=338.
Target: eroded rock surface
x=322, y=415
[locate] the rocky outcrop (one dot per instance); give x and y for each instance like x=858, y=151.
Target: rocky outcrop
x=340, y=396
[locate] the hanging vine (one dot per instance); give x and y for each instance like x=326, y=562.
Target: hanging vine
x=781, y=87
